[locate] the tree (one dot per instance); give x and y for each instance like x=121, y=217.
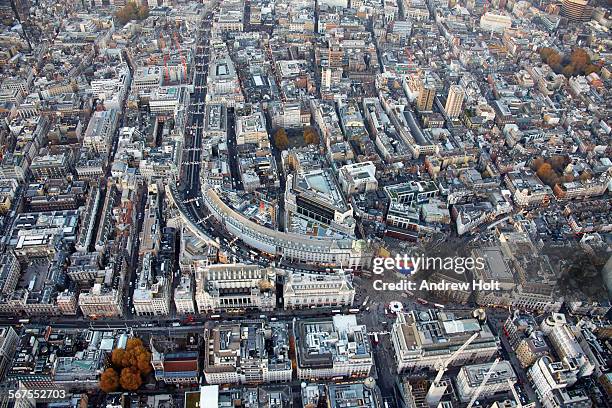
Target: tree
x=109, y=380
x=143, y=12
x=558, y=163
x=131, y=11
x=545, y=53
x=546, y=173
x=311, y=136
x=537, y=163
x=569, y=70
x=554, y=60
x=589, y=69
x=143, y=361
x=579, y=58
x=133, y=343
x=130, y=379
x=281, y=141
x=133, y=361
x=119, y=358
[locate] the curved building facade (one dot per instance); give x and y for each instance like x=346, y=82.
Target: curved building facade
x=321, y=251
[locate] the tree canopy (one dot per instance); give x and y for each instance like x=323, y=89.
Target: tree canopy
x=577, y=63
x=281, y=141
x=551, y=170
x=109, y=380
x=311, y=136
x=131, y=11
x=127, y=368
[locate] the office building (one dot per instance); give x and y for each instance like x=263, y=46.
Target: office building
x=315, y=196
x=305, y=290
x=328, y=348
x=152, y=291
x=235, y=287
x=421, y=339
x=454, y=101
x=101, y=301
x=183, y=296
x=495, y=22
x=242, y=353
x=552, y=382
x=576, y=11
x=175, y=358
x=9, y=342
x=358, y=178
x=100, y=131
x=471, y=377
x=10, y=271
x=426, y=94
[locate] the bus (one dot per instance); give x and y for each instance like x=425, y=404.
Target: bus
x=336, y=311
x=375, y=339
x=354, y=311
x=24, y=321
x=215, y=316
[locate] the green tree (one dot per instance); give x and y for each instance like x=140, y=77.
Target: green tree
x=281, y=141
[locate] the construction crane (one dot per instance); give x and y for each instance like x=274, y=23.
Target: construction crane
x=162, y=47
x=180, y=50
x=483, y=383
x=436, y=390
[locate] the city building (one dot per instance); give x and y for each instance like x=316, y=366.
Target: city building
x=184, y=296
x=358, y=178
x=454, y=101
x=553, y=383
x=235, y=287
x=495, y=22
x=175, y=359
x=247, y=353
x=306, y=290
x=328, y=348
x=100, y=130
x=9, y=343
x=101, y=301
x=500, y=378
x=153, y=289
x=421, y=339
x=314, y=195
x=577, y=11
x=318, y=250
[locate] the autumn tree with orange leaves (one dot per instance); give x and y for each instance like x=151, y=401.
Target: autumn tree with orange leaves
x=127, y=368
x=109, y=380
